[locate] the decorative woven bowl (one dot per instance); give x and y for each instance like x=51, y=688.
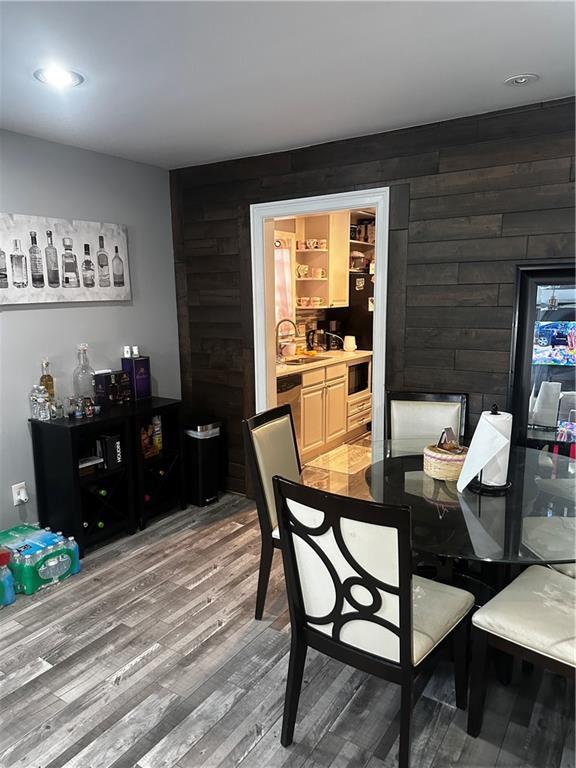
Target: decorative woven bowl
x=442, y=464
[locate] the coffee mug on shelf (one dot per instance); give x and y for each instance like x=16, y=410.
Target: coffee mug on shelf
x=311, y=244
x=303, y=301
x=323, y=244
x=316, y=301
x=349, y=343
x=318, y=272
x=302, y=270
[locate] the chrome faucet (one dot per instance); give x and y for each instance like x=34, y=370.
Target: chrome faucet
x=278, y=324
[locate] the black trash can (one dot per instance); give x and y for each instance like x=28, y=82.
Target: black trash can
x=202, y=461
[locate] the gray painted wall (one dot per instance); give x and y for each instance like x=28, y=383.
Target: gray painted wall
x=40, y=177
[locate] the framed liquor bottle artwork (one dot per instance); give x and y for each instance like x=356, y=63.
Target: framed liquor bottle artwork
x=45, y=260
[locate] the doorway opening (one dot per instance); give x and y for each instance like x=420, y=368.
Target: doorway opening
x=319, y=272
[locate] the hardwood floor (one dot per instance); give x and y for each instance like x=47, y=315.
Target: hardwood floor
x=151, y=658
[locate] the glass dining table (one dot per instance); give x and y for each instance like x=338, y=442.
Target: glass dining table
x=534, y=522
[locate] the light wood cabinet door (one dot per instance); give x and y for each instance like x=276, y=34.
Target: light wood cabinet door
x=335, y=408
x=312, y=413
x=339, y=259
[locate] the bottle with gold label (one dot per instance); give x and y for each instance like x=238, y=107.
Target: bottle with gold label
x=46, y=379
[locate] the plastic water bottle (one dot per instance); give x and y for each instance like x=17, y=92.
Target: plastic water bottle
x=75, y=554
x=7, y=592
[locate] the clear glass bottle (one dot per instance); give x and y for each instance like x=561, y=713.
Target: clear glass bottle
x=3, y=270
x=52, y=262
x=117, y=269
x=19, y=266
x=46, y=379
x=70, y=277
x=36, y=262
x=83, y=376
x=43, y=406
x=103, y=265
x=88, y=274
x=33, y=399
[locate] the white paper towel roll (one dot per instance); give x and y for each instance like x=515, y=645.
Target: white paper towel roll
x=489, y=451
x=546, y=407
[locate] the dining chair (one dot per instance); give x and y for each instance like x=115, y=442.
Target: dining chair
x=352, y=596
x=271, y=449
x=532, y=618
x=418, y=417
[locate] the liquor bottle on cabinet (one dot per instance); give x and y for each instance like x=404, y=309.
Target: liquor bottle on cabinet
x=103, y=265
x=88, y=274
x=70, y=276
x=46, y=380
x=83, y=376
x=117, y=269
x=3, y=270
x=36, y=262
x=19, y=266
x=52, y=262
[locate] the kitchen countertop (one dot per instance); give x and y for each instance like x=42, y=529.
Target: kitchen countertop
x=334, y=356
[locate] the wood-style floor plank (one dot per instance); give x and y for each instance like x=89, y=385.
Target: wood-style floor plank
x=151, y=658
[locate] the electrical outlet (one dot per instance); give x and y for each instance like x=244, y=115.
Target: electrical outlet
x=19, y=494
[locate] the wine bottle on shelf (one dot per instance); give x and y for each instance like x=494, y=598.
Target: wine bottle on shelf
x=52, y=262
x=36, y=262
x=46, y=380
x=96, y=490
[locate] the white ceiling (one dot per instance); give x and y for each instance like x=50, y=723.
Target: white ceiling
x=185, y=83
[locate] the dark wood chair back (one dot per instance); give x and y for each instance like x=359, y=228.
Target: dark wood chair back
x=348, y=570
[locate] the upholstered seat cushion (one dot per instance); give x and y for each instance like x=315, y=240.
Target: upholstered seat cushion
x=536, y=611
x=436, y=609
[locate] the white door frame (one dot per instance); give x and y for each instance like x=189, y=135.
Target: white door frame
x=263, y=284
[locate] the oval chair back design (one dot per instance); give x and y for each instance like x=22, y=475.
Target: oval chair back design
x=348, y=570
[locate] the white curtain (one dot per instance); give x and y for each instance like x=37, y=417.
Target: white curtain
x=283, y=279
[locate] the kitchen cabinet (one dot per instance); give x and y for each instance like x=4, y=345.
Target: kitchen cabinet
x=338, y=259
x=312, y=414
x=335, y=409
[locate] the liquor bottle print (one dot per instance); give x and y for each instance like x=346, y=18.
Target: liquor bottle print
x=117, y=269
x=70, y=276
x=52, y=262
x=19, y=266
x=36, y=262
x=3, y=270
x=88, y=274
x=103, y=265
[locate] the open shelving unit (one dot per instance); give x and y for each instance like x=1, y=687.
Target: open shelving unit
x=99, y=504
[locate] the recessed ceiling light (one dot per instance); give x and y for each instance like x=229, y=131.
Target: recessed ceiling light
x=58, y=77
x=524, y=79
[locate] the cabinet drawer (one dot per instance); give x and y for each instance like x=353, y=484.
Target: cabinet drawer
x=359, y=419
x=309, y=378
x=336, y=371
x=359, y=406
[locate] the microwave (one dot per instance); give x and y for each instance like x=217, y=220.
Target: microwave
x=358, y=377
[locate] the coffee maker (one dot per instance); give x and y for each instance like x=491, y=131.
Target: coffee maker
x=332, y=326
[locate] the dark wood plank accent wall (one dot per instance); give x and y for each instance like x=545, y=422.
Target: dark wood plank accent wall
x=470, y=199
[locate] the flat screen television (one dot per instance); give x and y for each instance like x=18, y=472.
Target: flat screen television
x=554, y=343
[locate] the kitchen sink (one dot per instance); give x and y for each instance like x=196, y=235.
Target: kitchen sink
x=305, y=360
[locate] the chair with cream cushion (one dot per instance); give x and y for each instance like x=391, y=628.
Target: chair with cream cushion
x=533, y=618
x=271, y=449
x=352, y=596
x=419, y=418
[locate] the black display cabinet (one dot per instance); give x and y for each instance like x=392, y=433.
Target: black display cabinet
x=117, y=497
x=159, y=478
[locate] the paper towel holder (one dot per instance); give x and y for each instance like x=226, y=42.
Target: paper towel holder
x=477, y=486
